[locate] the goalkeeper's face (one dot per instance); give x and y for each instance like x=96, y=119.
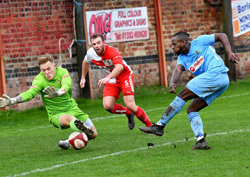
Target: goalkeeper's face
x=48, y=69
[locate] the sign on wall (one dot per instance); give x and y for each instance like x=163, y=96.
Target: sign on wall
x=240, y=16
x=118, y=25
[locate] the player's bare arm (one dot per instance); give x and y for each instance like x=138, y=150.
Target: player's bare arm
x=85, y=68
x=116, y=71
x=222, y=37
x=175, y=77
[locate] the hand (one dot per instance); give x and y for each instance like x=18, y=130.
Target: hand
x=172, y=87
x=6, y=101
x=103, y=81
x=82, y=83
x=233, y=58
x=51, y=92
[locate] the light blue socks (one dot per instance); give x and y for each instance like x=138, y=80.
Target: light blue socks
x=173, y=109
x=194, y=117
x=196, y=124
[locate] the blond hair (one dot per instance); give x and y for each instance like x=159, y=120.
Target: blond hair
x=45, y=58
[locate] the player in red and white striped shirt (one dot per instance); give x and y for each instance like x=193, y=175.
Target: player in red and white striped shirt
x=120, y=78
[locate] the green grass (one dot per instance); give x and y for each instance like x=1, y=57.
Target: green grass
x=28, y=143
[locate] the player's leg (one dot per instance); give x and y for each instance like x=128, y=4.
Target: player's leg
x=193, y=114
x=89, y=123
x=176, y=105
x=69, y=121
x=83, y=121
x=64, y=144
x=196, y=123
x=75, y=119
x=136, y=110
x=173, y=109
x=114, y=108
x=110, y=94
x=78, y=125
x=63, y=120
x=208, y=87
x=127, y=87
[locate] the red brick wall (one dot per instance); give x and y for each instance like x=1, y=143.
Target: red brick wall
x=32, y=28
x=29, y=29
x=199, y=17
x=193, y=16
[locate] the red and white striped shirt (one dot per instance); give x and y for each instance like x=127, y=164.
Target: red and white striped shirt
x=108, y=60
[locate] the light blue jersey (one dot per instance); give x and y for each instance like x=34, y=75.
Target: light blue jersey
x=210, y=82
x=211, y=73
x=202, y=57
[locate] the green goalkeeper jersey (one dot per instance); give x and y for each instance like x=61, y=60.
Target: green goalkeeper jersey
x=53, y=105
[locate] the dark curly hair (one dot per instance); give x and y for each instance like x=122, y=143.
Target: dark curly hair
x=182, y=35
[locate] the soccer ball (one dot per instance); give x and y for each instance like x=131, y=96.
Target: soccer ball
x=78, y=140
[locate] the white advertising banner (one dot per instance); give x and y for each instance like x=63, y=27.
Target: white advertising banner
x=118, y=25
x=240, y=16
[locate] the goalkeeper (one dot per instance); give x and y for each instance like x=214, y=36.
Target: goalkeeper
x=54, y=85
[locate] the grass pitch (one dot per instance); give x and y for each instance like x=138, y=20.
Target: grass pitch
x=28, y=143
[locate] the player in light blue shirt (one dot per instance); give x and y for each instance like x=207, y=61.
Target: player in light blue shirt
x=200, y=58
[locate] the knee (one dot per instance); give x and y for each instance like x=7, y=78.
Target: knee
x=131, y=106
x=66, y=119
x=189, y=110
x=108, y=107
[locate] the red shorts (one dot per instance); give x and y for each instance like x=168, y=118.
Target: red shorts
x=114, y=89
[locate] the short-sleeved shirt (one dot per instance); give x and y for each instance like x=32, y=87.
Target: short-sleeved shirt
x=107, y=61
x=56, y=105
x=202, y=57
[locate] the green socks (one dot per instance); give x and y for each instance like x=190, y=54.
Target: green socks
x=73, y=126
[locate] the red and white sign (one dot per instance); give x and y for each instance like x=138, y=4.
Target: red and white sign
x=119, y=25
x=196, y=64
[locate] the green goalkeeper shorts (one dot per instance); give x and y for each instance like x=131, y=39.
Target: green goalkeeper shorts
x=54, y=119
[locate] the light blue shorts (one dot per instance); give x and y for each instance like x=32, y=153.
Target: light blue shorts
x=209, y=85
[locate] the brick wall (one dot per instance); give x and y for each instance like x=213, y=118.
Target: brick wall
x=193, y=16
x=199, y=17
x=32, y=28
x=29, y=29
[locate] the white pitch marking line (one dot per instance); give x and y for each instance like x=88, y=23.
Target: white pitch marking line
x=231, y=96
x=118, y=153
x=29, y=129
x=117, y=115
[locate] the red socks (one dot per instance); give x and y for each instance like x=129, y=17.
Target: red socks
x=142, y=116
x=119, y=109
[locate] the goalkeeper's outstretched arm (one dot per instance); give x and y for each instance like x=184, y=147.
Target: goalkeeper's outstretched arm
x=6, y=100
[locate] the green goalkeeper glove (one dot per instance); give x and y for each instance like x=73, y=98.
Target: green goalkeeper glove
x=52, y=92
x=6, y=101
